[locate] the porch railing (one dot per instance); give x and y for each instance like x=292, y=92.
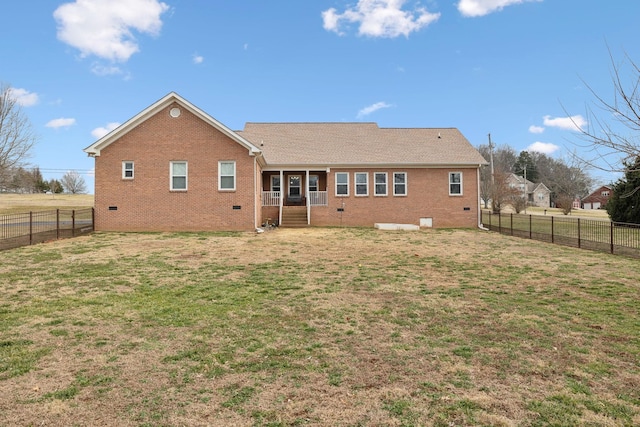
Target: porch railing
x=270, y=198
x=318, y=198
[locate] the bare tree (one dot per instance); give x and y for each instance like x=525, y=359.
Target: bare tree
x=613, y=141
x=495, y=188
x=16, y=134
x=501, y=191
x=566, y=180
x=73, y=183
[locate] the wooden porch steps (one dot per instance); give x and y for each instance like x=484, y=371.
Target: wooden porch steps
x=294, y=216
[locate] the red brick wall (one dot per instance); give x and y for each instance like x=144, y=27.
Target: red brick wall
x=427, y=197
x=146, y=202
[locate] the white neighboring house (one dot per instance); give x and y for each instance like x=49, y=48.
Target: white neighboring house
x=537, y=193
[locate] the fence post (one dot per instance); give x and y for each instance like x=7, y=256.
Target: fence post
x=499, y=223
x=73, y=223
x=30, y=227
x=578, y=233
x=93, y=219
x=552, y=239
x=611, y=236
x=530, y=234
x=511, y=219
x=57, y=223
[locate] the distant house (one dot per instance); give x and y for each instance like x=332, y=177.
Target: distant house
x=598, y=199
x=173, y=167
x=537, y=193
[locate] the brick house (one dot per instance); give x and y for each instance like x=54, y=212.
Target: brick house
x=173, y=167
x=598, y=199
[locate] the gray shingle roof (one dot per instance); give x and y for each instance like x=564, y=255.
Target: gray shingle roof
x=359, y=144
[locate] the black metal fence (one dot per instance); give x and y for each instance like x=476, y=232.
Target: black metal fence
x=24, y=229
x=613, y=237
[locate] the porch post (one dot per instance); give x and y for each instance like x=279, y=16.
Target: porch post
x=280, y=202
x=306, y=193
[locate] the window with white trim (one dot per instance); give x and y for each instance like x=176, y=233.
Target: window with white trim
x=362, y=183
x=313, y=182
x=275, y=182
x=342, y=184
x=380, y=183
x=178, y=172
x=226, y=175
x=399, y=183
x=127, y=170
x=455, y=183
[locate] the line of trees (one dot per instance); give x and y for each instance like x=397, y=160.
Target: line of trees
x=30, y=180
x=566, y=181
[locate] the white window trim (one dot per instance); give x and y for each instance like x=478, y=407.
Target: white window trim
x=406, y=188
x=317, y=182
x=386, y=184
x=234, y=175
x=124, y=169
x=460, y=183
x=186, y=175
x=355, y=184
x=271, y=179
x=347, y=183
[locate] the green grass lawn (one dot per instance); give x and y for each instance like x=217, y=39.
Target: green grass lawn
x=315, y=327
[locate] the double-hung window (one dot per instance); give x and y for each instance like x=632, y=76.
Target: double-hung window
x=362, y=183
x=226, y=175
x=342, y=184
x=127, y=170
x=399, y=183
x=455, y=183
x=178, y=176
x=313, y=182
x=275, y=182
x=380, y=179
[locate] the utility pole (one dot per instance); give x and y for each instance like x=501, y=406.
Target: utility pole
x=491, y=159
x=526, y=191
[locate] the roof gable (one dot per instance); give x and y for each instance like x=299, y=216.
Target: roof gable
x=102, y=143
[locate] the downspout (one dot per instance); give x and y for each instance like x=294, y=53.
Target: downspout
x=256, y=197
x=480, y=225
x=280, y=202
x=306, y=193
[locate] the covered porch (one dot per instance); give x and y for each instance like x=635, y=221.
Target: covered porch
x=289, y=191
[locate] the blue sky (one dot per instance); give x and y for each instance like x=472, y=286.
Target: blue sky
x=512, y=68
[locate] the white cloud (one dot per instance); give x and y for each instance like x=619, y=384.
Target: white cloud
x=379, y=18
x=105, y=70
x=104, y=28
x=473, y=8
x=372, y=108
x=543, y=147
x=198, y=59
x=61, y=123
x=23, y=97
x=102, y=131
x=536, y=129
x=575, y=123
